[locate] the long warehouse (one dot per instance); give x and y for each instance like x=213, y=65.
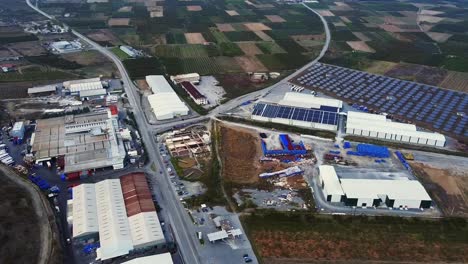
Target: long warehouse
x=302, y=110
x=378, y=126
x=164, y=101
x=120, y=213
x=399, y=192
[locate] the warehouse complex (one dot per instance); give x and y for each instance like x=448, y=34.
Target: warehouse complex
x=84, y=142
x=378, y=126
x=399, y=192
x=120, y=212
x=302, y=110
x=164, y=101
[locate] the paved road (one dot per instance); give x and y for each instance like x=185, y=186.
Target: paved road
x=168, y=199
x=177, y=214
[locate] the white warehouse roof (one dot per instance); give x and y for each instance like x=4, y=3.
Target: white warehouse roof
x=145, y=229
x=95, y=92
x=164, y=102
x=78, y=87
x=164, y=258
x=159, y=84
x=308, y=101
x=84, y=210
x=68, y=83
x=114, y=231
x=379, y=123
x=402, y=189
x=332, y=185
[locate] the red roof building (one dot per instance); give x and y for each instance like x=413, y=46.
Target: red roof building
x=136, y=193
x=194, y=93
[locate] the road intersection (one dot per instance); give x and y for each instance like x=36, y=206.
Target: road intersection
x=177, y=215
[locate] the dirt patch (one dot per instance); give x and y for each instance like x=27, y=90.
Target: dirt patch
x=393, y=20
x=439, y=37
x=232, y=12
x=160, y=39
x=27, y=230
x=250, y=64
x=194, y=8
x=431, y=12
x=240, y=161
x=418, y=73
x=118, y=22
x=345, y=19
x=391, y=28
x=275, y=18
x=326, y=13
x=361, y=36
x=225, y=27
x=360, y=46
x=380, y=67
x=86, y=58
x=28, y=48
x=104, y=36
x=256, y=26
x=456, y=81
x=194, y=38
x=249, y=48
x=264, y=36
x=186, y=163
x=450, y=191
x=430, y=19
x=142, y=85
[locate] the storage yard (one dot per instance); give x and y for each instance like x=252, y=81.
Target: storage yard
x=440, y=110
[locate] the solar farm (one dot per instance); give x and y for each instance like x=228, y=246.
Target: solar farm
x=425, y=105
x=326, y=115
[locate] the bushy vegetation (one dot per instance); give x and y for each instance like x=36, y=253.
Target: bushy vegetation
x=140, y=67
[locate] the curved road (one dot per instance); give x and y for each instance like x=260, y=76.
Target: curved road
x=177, y=214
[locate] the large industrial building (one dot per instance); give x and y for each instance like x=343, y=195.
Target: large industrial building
x=164, y=101
x=164, y=258
x=118, y=212
x=398, y=192
x=302, y=110
x=378, y=126
x=77, y=87
x=84, y=142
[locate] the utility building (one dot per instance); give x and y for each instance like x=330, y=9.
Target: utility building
x=301, y=110
x=164, y=101
x=396, y=192
x=330, y=184
x=378, y=126
x=193, y=92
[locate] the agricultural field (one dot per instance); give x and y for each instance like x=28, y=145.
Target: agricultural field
x=232, y=36
x=307, y=238
x=429, y=34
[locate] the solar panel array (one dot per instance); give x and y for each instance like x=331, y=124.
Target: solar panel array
x=442, y=109
x=324, y=115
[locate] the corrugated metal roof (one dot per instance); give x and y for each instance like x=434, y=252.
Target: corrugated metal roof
x=164, y=258
x=332, y=184
x=379, y=123
x=308, y=101
x=42, y=89
x=97, y=92
x=159, y=84
x=137, y=195
x=394, y=189
x=85, y=218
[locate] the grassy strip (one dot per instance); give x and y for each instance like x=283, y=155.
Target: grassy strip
x=405, y=146
x=281, y=127
x=178, y=169
x=122, y=55
x=36, y=76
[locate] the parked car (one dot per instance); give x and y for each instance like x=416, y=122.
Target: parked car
x=247, y=259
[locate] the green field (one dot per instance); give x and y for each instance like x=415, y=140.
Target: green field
x=122, y=55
